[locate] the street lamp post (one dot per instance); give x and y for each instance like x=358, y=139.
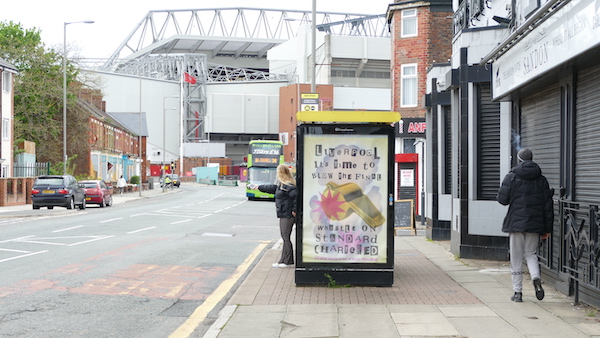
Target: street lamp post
x=65, y=91
x=313, y=40
x=140, y=139
x=141, y=159
x=164, y=150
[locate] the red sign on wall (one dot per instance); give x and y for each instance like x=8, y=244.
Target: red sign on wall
x=411, y=127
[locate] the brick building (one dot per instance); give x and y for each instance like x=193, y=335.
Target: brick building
x=113, y=143
x=421, y=33
x=421, y=37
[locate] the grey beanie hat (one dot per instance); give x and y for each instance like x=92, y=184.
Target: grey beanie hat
x=525, y=155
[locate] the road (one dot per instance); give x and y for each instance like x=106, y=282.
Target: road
x=144, y=268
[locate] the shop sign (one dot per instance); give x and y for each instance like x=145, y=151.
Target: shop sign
x=411, y=127
x=569, y=32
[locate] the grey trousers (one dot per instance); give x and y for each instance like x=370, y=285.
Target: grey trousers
x=523, y=245
x=287, y=252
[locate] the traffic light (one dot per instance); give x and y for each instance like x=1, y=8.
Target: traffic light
x=172, y=165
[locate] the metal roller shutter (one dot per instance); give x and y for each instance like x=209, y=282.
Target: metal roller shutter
x=587, y=159
x=447, y=150
x=488, y=166
x=540, y=131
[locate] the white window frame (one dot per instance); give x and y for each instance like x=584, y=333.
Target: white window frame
x=411, y=100
x=6, y=83
x=5, y=129
x=409, y=17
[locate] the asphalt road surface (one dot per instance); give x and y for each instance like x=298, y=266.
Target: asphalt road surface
x=144, y=268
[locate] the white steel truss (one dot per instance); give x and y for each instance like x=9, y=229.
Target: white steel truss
x=150, y=49
x=246, y=23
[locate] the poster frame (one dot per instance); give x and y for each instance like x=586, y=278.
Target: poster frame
x=351, y=273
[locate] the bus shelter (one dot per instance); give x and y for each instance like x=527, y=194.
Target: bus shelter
x=345, y=224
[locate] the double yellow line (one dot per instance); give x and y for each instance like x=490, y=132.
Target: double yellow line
x=188, y=327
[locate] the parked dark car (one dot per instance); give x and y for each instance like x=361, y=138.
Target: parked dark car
x=174, y=178
x=97, y=192
x=57, y=191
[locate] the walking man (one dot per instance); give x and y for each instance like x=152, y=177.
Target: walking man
x=529, y=218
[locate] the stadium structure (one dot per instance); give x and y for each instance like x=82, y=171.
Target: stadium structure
x=208, y=80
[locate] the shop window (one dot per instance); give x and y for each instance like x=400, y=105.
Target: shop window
x=409, y=85
x=409, y=23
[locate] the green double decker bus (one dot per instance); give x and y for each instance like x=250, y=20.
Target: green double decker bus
x=263, y=159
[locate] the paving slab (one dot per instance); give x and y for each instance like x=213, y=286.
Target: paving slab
x=424, y=324
x=433, y=295
x=488, y=327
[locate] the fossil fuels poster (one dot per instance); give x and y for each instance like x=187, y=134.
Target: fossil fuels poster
x=345, y=227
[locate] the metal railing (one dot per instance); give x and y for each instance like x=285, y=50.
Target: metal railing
x=31, y=169
x=574, y=253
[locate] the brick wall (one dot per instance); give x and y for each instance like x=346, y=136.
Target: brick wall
x=433, y=44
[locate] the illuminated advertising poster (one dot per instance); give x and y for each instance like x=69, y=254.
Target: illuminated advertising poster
x=345, y=197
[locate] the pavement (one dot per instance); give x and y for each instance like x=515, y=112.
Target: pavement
x=27, y=209
x=434, y=294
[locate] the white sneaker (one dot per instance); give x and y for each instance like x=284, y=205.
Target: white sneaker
x=286, y=265
x=275, y=265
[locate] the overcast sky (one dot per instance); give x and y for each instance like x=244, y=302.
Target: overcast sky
x=115, y=19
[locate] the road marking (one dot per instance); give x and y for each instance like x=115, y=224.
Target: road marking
x=133, y=232
x=16, y=239
x=92, y=240
x=111, y=220
x=204, y=216
x=214, y=234
x=187, y=328
x=210, y=199
x=185, y=220
x=56, y=240
x=245, y=226
x=71, y=228
x=13, y=250
x=22, y=256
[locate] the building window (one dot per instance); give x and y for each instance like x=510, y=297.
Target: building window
x=409, y=146
x=5, y=129
x=409, y=85
x=6, y=85
x=409, y=23
x=342, y=73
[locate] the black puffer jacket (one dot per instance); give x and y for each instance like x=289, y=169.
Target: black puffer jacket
x=529, y=198
x=285, y=198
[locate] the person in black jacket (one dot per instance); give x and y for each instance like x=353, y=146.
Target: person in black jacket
x=529, y=218
x=285, y=205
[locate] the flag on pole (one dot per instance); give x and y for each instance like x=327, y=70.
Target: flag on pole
x=188, y=78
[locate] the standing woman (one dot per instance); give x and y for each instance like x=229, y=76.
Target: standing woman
x=285, y=205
